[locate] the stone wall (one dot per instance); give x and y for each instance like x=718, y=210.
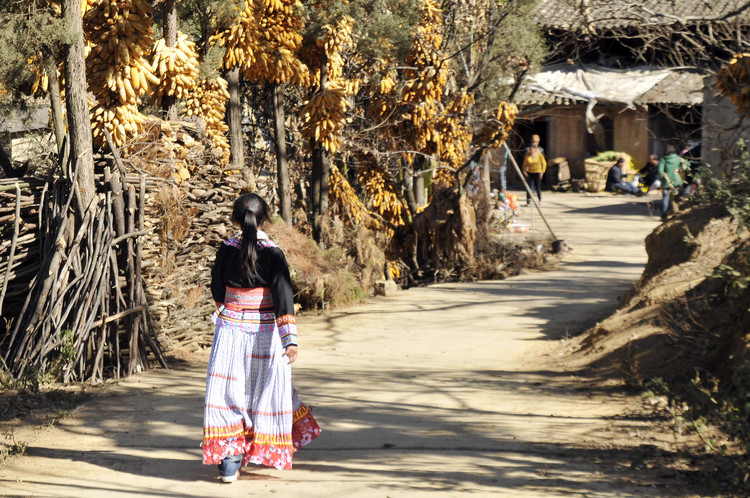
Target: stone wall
x=722, y=128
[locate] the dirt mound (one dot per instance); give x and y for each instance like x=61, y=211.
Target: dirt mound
x=682, y=334
x=653, y=334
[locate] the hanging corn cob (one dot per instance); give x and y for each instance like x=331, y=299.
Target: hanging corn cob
x=41, y=80
x=120, y=38
x=733, y=81
x=498, y=127
x=324, y=114
x=382, y=196
x=208, y=100
x=176, y=68
x=342, y=196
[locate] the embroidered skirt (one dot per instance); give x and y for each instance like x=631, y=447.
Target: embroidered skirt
x=251, y=407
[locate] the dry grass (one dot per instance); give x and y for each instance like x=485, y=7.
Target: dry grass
x=321, y=278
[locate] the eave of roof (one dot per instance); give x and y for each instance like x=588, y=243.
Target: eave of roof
x=611, y=14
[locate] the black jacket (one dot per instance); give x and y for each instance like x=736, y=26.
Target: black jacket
x=272, y=271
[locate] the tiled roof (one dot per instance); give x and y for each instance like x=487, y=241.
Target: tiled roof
x=607, y=14
x=565, y=84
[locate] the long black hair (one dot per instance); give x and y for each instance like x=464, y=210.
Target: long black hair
x=250, y=210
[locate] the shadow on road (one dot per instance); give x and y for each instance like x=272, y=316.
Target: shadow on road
x=563, y=309
x=365, y=435
x=628, y=207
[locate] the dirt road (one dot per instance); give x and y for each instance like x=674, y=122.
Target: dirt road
x=445, y=390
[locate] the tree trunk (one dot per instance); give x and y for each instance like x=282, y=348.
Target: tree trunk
x=55, y=101
x=317, y=168
x=411, y=200
x=169, y=103
x=282, y=168
x=324, y=178
x=234, y=119
x=79, y=125
x=320, y=169
x=415, y=196
x=486, y=173
x=5, y=163
x=325, y=163
x=419, y=194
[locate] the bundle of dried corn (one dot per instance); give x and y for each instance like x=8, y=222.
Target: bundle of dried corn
x=208, y=100
x=496, y=130
x=263, y=42
x=733, y=82
x=382, y=196
x=344, y=199
x=120, y=39
x=176, y=68
x=324, y=115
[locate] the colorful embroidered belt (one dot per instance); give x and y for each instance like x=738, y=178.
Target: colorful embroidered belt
x=258, y=298
x=248, y=310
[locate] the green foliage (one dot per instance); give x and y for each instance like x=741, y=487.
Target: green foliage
x=211, y=63
x=33, y=379
x=384, y=28
x=14, y=448
x=733, y=192
x=606, y=156
x=67, y=347
x=736, y=277
x=28, y=30
x=726, y=401
x=201, y=18
x=519, y=47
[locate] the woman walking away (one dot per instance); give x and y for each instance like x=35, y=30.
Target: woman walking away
x=534, y=166
x=252, y=413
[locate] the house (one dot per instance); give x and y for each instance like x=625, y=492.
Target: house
x=627, y=76
x=579, y=110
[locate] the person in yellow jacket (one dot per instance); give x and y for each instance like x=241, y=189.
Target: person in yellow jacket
x=534, y=166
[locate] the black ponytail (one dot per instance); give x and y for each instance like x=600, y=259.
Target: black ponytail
x=250, y=210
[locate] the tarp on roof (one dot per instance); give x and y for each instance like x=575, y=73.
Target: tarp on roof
x=566, y=84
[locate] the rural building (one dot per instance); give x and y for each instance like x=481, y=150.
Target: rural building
x=629, y=76
x=22, y=133
x=579, y=110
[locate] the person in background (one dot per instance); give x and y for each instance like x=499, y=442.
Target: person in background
x=650, y=173
x=534, y=166
x=615, y=181
x=669, y=174
x=535, y=140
